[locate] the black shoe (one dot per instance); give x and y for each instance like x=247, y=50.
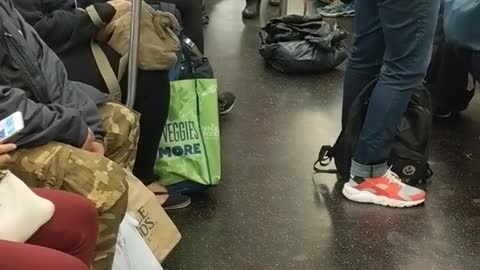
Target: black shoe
x=175, y=200
x=441, y=113
x=251, y=10
x=226, y=102
x=274, y=3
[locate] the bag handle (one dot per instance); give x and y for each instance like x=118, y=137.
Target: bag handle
x=122, y=66
x=106, y=70
x=95, y=17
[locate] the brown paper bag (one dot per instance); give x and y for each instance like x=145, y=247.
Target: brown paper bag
x=156, y=228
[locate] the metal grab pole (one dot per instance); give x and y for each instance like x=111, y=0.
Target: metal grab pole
x=283, y=7
x=133, y=52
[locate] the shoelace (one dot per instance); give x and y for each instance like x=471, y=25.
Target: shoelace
x=393, y=177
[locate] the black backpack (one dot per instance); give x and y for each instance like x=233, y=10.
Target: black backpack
x=193, y=64
x=409, y=157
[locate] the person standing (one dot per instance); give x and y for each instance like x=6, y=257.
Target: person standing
x=393, y=39
x=253, y=7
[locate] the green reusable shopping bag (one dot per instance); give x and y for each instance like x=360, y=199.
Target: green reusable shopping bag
x=190, y=146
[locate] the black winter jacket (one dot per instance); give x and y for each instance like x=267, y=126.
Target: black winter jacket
x=34, y=81
x=61, y=24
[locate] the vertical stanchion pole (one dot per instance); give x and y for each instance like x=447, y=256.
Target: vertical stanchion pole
x=133, y=52
x=283, y=7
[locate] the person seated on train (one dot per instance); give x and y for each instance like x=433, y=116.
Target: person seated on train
x=73, y=138
x=193, y=18
x=192, y=21
x=65, y=241
x=64, y=143
x=69, y=31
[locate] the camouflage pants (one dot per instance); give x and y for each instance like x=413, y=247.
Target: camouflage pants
x=123, y=128
x=100, y=179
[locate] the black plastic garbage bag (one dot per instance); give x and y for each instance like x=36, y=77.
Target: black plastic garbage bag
x=295, y=27
x=302, y=44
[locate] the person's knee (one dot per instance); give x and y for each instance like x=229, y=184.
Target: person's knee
x=75, y=224
x=366, y=59
x=85, y=210
x=65, y=201
x=86, y=216
x=13, y=257
x=402, y=79
x=97, y=178
x=119, y=119
x=92, y=176
x=115, y=193
x=407, y=71
x=123, y=132
x=406, y=68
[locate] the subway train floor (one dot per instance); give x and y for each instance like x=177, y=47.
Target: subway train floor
x=269, y=214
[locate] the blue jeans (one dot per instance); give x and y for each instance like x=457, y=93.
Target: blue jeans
x=393, y=39
x=187, y=188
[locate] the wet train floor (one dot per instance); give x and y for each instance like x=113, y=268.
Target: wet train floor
x=269, y=214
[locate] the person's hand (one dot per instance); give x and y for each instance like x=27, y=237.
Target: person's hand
x=98, y=148
x=93, y=146
x=89, y=141
x=4, y=150
x=121, y=7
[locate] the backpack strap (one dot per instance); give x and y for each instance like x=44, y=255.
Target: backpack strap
x=325, y=157
x=122, y=66
x=95, y=17
x=106, y=70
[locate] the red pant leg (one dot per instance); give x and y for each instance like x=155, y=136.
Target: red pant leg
x=73, y=228
x=16, y=256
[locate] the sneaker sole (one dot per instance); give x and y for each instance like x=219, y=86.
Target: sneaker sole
x=443, y=116
x=179, y=206
x=356, y=195
x=340, y=14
